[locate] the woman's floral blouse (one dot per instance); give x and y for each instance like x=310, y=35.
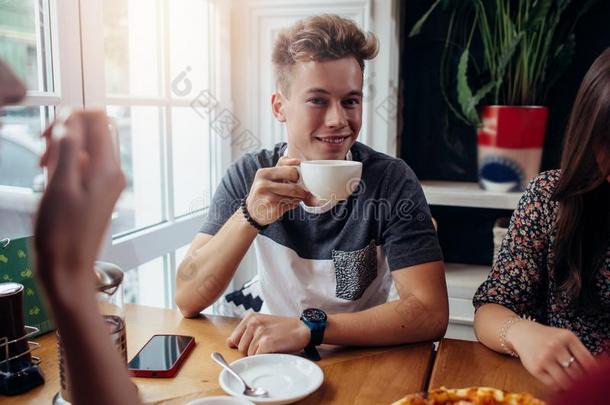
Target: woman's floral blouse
x=522, y=278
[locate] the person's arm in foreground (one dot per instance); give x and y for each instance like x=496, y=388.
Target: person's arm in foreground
x=85, y=182
x=212, y=261
x=421, y=314
x=592, y=389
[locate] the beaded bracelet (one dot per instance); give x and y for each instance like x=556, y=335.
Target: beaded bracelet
x=251, y=221
x=504, y=330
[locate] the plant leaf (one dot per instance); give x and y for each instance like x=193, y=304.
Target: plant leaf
x=503, y=61
x=483, y=91
x=586, y=7
x=446, y=3
x=507, y=54
x=419, y=24
x=539, y=14
x=561, y=59
x=562, y=4
x=464, y=93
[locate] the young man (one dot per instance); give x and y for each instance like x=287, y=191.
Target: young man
x=339, y=264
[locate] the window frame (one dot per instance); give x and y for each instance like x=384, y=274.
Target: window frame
x=139, y=246
x=63, y=44
x=77, y=73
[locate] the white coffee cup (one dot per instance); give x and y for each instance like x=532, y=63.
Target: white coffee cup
x=330, y=180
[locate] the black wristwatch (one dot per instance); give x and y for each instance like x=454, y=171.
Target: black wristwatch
x=315, y=319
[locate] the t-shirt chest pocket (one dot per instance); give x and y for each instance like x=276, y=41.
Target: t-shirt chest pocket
x=355, y=271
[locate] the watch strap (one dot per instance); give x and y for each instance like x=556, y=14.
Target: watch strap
x=311, y=352
x=316, y=330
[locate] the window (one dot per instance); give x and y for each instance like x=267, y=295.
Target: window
x=22, y=147
x=25, y=44
x=165, y=143
x=145, y=62
x=141, y=203
x=146, y=284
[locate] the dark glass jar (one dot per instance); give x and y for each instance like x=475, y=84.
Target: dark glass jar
x=12, y=325
x=20, y=373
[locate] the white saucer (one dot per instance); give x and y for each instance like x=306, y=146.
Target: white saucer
x=287, y=378
x=220, y=401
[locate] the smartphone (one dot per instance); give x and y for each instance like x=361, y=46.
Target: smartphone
x=161, y=356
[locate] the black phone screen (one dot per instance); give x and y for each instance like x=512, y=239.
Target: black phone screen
x=160, y=353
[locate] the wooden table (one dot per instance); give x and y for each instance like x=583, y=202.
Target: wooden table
x=460, y=363
x=351, y=376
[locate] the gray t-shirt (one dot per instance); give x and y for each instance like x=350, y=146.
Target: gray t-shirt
x=339, y=261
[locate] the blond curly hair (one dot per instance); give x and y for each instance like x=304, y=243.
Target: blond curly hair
x=320, y=38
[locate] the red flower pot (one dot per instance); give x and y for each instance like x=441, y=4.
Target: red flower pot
x=510, y=143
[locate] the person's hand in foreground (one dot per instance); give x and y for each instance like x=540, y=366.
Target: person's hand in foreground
x=85, y=183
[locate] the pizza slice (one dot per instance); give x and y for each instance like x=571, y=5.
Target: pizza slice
x=469, y=396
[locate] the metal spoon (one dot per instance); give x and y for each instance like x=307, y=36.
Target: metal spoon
x=249, y=391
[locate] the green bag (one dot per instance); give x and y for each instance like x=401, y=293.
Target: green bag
x=16, y=265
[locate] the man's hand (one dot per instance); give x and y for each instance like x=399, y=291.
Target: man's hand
x=85, y=182
x=258, y=333
x=275, y=190
x=543, y=350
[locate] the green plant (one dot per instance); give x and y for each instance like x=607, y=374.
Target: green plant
x=527, y=45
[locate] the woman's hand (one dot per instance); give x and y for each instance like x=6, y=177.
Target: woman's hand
x=85, y=183
x=555, y=356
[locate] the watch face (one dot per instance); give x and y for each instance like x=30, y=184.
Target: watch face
x=314, y=315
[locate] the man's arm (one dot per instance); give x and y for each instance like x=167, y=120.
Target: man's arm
x=421, y=313
x=211, y=263
x=213, y=260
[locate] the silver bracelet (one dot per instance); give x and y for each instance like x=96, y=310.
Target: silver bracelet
x=504, y=330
